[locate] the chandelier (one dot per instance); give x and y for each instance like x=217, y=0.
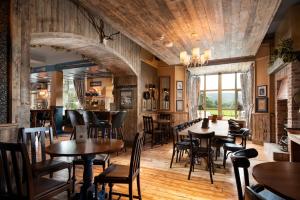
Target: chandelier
x=197, y=59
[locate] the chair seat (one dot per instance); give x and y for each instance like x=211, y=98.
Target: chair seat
x=114, y=174
x=48, y=166
x=45, y=186
x=100, y=159
x=221, y=141
x=232, y=147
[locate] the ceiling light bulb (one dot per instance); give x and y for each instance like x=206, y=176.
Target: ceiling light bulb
x=195, y=52
x=207, y=54
x=182, y=56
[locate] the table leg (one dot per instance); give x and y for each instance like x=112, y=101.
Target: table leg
x=87, y=189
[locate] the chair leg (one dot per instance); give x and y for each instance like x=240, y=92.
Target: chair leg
x=139, y=186
x=225, y=158
x=130, y=191
x=110, y=191
x=210, y=168
x=74, y=177
x=191, y=168
x=152, y=140
x=173, y=154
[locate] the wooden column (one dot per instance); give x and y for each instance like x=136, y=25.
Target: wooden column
x=20, y=63
x=56, y=99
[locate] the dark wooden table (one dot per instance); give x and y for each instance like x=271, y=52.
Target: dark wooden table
x=282, y=178
x=221, y=128
x=87, y=150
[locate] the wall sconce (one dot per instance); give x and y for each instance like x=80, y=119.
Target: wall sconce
x=43, y=93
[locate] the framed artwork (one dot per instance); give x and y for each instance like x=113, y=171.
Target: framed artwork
x=262, y=91
x=179, y=105
x=179, y=95
x=179, y=85
x=126, y=99
x=261, y=104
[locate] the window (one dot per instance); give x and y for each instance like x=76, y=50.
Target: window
x=69, y=95
x=221, y=94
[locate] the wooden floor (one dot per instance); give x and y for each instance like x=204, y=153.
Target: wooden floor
x=158, y=181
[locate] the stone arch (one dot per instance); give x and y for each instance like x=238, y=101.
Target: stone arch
x=99, y=53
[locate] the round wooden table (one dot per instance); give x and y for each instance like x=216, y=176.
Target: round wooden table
x=87, y=150
x=282, y=178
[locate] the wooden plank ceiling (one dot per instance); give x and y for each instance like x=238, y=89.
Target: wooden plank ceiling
x=230, y=28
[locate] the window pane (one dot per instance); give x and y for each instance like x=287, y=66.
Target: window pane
x=211, y=103
x=238, y=80
x=228, y=81
x=228, y=104
x=212, y=82
x=201, y=82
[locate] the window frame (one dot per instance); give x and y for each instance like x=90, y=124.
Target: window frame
x=220, y=91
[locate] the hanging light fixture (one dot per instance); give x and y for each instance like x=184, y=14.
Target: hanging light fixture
x=197, y=59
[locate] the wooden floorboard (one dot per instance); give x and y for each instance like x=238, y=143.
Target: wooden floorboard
x=158, y=181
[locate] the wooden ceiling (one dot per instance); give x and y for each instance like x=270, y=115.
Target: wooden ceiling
x=230, y=28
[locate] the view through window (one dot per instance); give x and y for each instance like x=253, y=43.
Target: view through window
x=70, y=97
x=221, y=94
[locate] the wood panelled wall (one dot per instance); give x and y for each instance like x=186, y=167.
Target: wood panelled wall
x=65, y=17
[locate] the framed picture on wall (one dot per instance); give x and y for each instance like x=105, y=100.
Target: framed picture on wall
x=262, y=91
x=179, y=85
x=179, y=95
x=179, y=105
x=261, y=104
x=126, y=99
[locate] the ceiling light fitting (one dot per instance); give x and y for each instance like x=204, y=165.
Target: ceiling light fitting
x=197, y=59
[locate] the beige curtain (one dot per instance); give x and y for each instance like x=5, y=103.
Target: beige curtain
x=79, y=85
x=193, y=94
x=246, y=86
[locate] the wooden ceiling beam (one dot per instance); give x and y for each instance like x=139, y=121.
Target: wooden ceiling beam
x=230, y=60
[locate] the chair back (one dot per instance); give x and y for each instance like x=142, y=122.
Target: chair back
x=245, y=134
x=88, y=117
x=118, y=119
x=166, y=116
x=148, y=124
x=204, y=139
x=252, y=195
x=15, y=164
x=136, y=155
x=240, y=159
x=29, y=136
x=75, y=118
x=176, y=130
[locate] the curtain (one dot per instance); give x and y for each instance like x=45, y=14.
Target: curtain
x=79, y=85
x=193, y=94
x=246, y=86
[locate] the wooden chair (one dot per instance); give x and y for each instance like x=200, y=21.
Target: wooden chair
x=121, y=174
x=201, y=150
x=178, y=146
x=240, y=160
x=149, y=129
x=76, y=119
x=29, y=136
x=232, y=147
x=19, y=182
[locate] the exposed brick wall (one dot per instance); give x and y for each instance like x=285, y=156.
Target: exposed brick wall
x=4, y=59
x=286, y=111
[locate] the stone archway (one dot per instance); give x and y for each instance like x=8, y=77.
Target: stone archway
x=125, y=75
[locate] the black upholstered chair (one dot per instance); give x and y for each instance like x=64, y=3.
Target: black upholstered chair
x=201, y=149
x=35, y=137
x=240, y=160
x=121, y=174
x=19, y=182
x=233, y=147
x=76, y=119
x=179, y=147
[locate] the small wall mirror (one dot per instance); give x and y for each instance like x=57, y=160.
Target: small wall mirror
x=164, y=92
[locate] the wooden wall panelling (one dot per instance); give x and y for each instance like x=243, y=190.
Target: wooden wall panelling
x=260, y=128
